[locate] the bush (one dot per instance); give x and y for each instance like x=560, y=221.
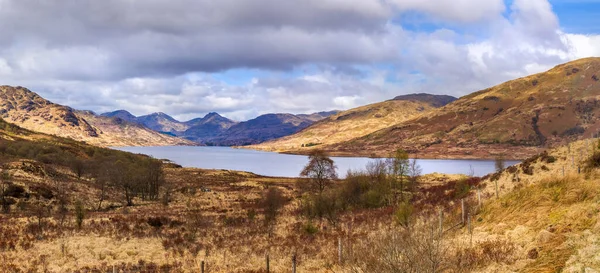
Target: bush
x=461, y=189
x=593, y=161
x=310, y=229
x=79, y=213
x=403, y=214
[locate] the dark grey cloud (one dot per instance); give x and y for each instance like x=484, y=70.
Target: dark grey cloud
x=121, y=39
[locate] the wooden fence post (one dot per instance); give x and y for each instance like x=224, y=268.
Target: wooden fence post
x=202, y=267
x=470, y=229
x=268, y=268
x=441, y=222
x=496, y=183
x=462, y=206
x=340, y=253
x=294, y=259
x=114, y=269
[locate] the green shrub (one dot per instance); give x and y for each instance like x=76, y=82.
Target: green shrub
x=461, y=189
x=309, y=228
x=403, y=214
x=79, y=213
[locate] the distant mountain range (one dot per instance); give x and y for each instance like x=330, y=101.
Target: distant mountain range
x=27, y=109
x=214, y=129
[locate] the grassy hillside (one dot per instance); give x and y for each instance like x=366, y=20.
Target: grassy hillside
x=350, y=124
x=518, y=118
x=541, y=221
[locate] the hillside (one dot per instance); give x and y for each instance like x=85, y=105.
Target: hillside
x=357, y=122
x=27, y=109
x=515, y=119
x=60, y=212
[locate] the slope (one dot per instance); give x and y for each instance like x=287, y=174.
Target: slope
x=515, y=119
x=357, y=122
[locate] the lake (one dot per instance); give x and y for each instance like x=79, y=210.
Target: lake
x=284, y=165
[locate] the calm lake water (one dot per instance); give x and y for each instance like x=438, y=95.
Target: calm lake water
x=283, y=165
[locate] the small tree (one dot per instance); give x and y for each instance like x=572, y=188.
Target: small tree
x=78, y=167
x=499, y=163
x=4, y=179
x=414, y=174
x=79, y=213
x=272, y=202
x=320, y=170
x=398, y=166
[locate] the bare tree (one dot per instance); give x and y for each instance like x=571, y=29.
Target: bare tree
x=78, y=167
x=414, y=174
x=272, y=202
x=398, y=166
x=4, y=179
x=320, y=170
x=499, y=163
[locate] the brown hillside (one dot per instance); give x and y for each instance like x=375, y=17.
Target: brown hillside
x=28, y=110
x=517, y=118
x=348, y=125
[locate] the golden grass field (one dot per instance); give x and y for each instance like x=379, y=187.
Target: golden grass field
x=542, y=223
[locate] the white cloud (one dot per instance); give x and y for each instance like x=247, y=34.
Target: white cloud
x=312, y=55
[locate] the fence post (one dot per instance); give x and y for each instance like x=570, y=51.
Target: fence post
x=294, y=259
x=340, y=258
x=114, y=269
x=462, y=206
x=496, y=183
x=202, y=267
x=470, y=229
x=441, y=222
x=268, y=268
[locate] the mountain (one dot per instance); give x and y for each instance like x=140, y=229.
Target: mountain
x=27, y=109
x=161, y=122
x=211, y=125
x=357, y=122
x=433, y=100
x=515, y=119
x=122, y=114
x=262, y=128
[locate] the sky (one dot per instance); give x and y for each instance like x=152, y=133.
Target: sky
x=244, y=58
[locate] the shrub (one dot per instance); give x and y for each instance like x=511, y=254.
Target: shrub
x=309, y=228
x=79, y=213
x=461, y=189
x=403, y=214
x=593, y=161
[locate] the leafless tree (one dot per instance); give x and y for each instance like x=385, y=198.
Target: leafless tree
x=272, y=202
x=398, y=166
x=320, y=170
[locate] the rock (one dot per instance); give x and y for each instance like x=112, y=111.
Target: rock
x=545, y=236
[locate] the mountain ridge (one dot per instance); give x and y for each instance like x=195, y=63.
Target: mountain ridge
x=27, y=109
x=515, y=119
x=356, y=122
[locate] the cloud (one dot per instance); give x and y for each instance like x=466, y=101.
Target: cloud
x=296, y=56
x=463, y=11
